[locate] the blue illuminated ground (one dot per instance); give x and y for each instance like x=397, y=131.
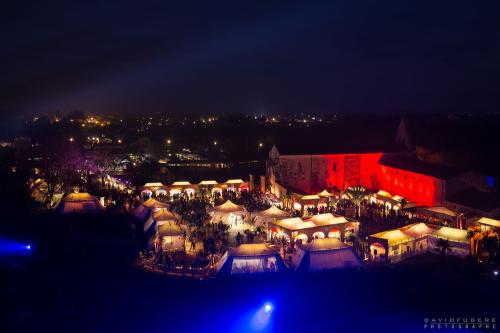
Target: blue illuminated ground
x=385, y=299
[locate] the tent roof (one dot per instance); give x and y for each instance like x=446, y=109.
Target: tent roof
x=323, y=244
x=153, y=203
x=452, y=234
x=181, y=183
x=418, y=230
x=319, y=220
x=289, y=223
x=310, y=197
x=164, y=215
x=252, y=250
x=325, y=193
x=439, y=210
x=393, y=236
x=273, y=212
x=490, y=222
x=234, y=181
x=157, y=184
x=208, y=182
x=384, y=194
x=169, y=228
x=229, y=207
x=79, y=203
x=75, y=197
x=327, y=219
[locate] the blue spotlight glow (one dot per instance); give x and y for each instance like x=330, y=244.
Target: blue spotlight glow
x=268, y=307
x=28, y=247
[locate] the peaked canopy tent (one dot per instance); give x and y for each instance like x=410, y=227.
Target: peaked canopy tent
x=325, y=194
x=486, y=224
x=398, y=244
x=324, y=254
x=271, y=214
x=250, y=259
x=145, y=210
x=228, y=212
x=438, y=213
x=171, y=236
x=160, y=217
x=81, y=203
x=318, y=226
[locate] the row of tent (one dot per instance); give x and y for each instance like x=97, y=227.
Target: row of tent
x=318, y=255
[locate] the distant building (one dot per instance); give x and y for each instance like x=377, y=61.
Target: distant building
x=400, y=174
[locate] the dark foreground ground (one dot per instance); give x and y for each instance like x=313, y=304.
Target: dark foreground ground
x=112, y=298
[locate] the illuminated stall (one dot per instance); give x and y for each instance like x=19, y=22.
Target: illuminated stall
x=324, y=254
x=81, y=203
x=251, y=259
x=229, y=213
x=414, y=239
x=271, y=214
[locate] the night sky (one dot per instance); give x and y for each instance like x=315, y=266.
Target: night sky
x=250, y=57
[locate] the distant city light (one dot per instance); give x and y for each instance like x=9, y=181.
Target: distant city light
x=169, y=141
x=261, y=145
x=215, y=143
x=268, y=307
x=119, y=141
x=495, y=273
x=71, y=139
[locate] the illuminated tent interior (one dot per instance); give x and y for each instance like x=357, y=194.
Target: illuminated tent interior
x=418, y=238
x=324, y=254
x=227, y=212
x=82, y=203
x=487, y=223
x=171, y=235
x=250, y=259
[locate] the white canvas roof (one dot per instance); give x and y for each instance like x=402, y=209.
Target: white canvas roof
x=170, y=228
x=79, y=203
x=181, y=183
x=393, y=236
x=438, y=210
x=273, y=212
x=327, y=219
x=208, y=182
x=419, y=230
x=457, y=235
x=490, y=222
x=324, y=254
x=325, y=193
x=234, y=181
x=310, y=197
x=229, y=207
x=157, y=184
x=252, y=250
x=154, y=204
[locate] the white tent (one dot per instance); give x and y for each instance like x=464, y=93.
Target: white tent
x=160, y=217
x=144, y=212
x=271, y=214
x=250, y=259
x=325, y=194
x=228, y=212
x=324, y=254
x=82, y=203
x=172, y=236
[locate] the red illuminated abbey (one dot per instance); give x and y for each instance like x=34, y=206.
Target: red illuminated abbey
x=399, y=173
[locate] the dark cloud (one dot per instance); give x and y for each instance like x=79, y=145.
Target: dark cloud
x=370, y=56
